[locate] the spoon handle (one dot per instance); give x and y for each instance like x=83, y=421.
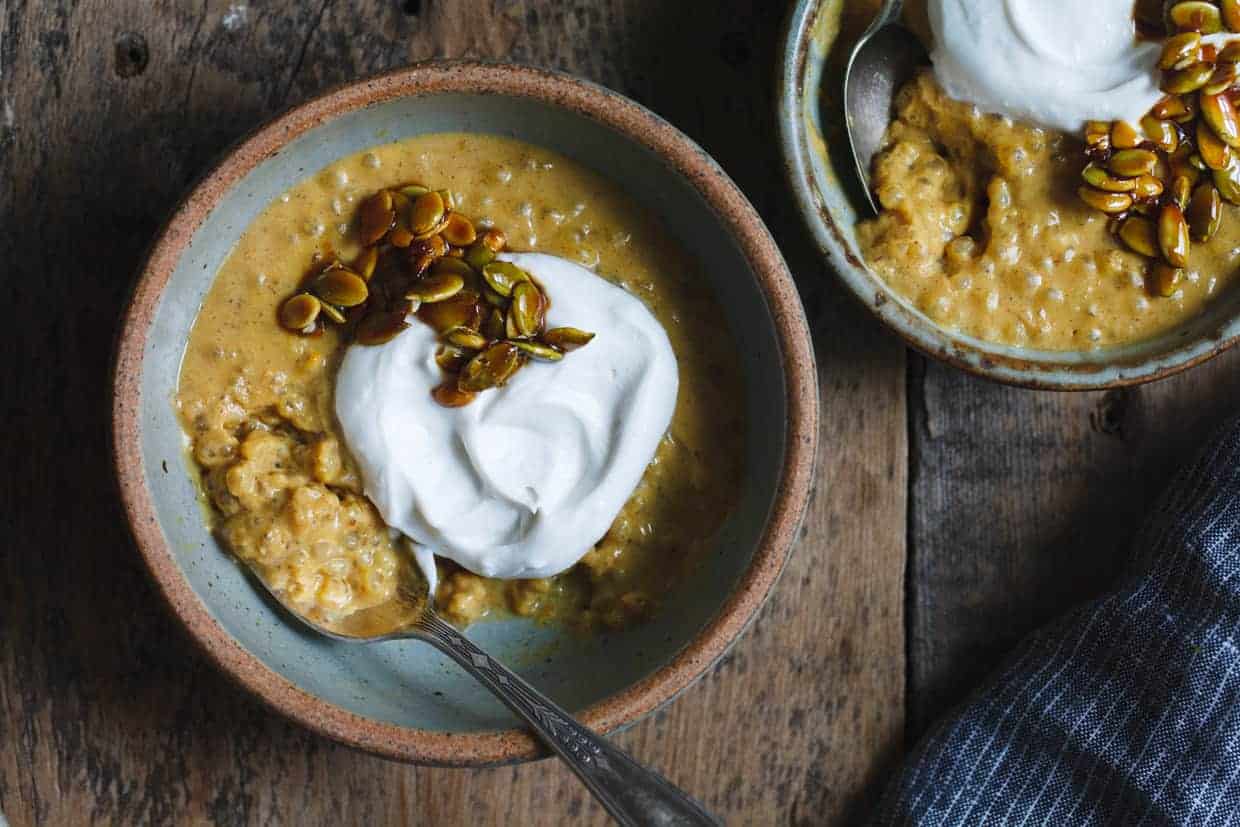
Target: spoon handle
x=631, y=794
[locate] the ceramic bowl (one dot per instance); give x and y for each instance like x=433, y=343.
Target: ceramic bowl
x=402, y=699
x=815, y=154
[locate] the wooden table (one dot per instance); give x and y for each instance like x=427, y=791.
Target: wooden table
x=951, y=515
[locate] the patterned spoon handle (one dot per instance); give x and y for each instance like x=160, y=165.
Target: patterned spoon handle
x=632, y=794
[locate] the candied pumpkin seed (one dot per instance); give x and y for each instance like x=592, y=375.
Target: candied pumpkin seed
x=495, y=240
x=375, y=217
x=436, y=287
x=1140, y=235
x=1196, y=16
x=1227, y=181
x=450, y=358
x=412, y=191
x=451, y=396
x=459, y=230
x=1111, y=203
x=446, y=264
x=479, y=255
x=526, y=312
x=1173, y=240
x=544, y=353
x=1096, y=176
x=504, y=276
x=1230, y=11
x=465, y=337
x=459, y=311
x=1130, y=163
x=1224, y=78
x=1220, y=113
x=334, y=313
x=427, y=213
x=1125, y=136
x=493, y=324
x=1164, y=279
x=1214, y=153
x=490, y=369
x=567, y=339
x=1231, y=52
x=1164, y=134
x=341, y=287
x=1178, y=49
x=364, y=264
x=1186, y=80
x=299, y=312
x=1205, y=212
x=380, y=327
x=1149, y=188
x=1181, y=190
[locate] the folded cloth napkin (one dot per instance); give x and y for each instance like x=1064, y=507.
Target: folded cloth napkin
x=1125, y=712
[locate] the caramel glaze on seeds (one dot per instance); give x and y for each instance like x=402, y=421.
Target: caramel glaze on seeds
x=257, y=401
x=983, y=231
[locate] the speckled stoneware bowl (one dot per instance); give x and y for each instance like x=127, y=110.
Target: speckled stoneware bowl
x=815, y=153
x=403, y=699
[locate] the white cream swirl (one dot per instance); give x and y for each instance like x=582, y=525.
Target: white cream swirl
x=1053, y=63
x=525, y=479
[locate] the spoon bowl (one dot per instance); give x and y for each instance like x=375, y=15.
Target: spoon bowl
x=884, y=58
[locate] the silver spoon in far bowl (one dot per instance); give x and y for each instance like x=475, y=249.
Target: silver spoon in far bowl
x=883, y=59
x=633, y=795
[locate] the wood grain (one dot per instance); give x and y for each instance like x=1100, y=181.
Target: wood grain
x=108, y=110
x=1024, y=504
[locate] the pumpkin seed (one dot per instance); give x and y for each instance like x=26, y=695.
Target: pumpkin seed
x=1173, y=238
x=1220, y=113
x=1196, y=16
x=400, y=235
x=334, y=313
x=375, y=217
x=1096, y=176
x=491, y=368
x=525, y=314
x=1230, y=11
x=493, y=324
x=1148, y=188
x=1180, y=166
x=1130, y=163
x=341, y=287
x=449, y=201
x=1181, y=191
x=1125, y=136
x=1178, y=108
x=495, y=240
x=427, y=213
x=1224, y=78
x=494, y=299
x=1163, y=279
x=504, y=276
x=436, y=287
x=1111, y=203
x=567, y=339
x=364, y=264
x=380, y=328
x=479, y=255
x=1098, y=136
x=451, y=359
x=1231, y=52
x=299, y=313
x=1162, y=133
x=1140, y=235
x=466, y=338
x=459, y=230
x=1179, y=50
x=1227, y=181
x=459, y=311
x=544, y=353
x=426, y=251
x=1205, y=212
x=412, y=191
x=452, y=265
x=1188, y=79
x=1214, y=153
x=451, y=396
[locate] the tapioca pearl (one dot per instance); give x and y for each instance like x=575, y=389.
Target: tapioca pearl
x=527, y=211
x=965, y=283
x=1052, y=219
x=531, y=240
x=1009, y=254
x=485, y=223
x=503, y=175
x=342, y=229
x=1095, y=335
x=1211, y=283
x=371, y=160
x=579, y=208
x=1178, y=295
x=340, y=177
x=1069, y=255
x=621, y=238
x=285, y=197
x=554, y=216
x=1141, y=304
x=1136, y=279
x=992, y=300
x=589, y=257
x=1092, y=310
x=1020, y=332
x=1193, y=276
x=1032, y=282
x=1055, y=294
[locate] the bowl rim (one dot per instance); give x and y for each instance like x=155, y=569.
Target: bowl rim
x=684, y=158
x=1033, y=371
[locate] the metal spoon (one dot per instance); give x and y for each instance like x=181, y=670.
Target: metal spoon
x=883, y=59
x=633, y=795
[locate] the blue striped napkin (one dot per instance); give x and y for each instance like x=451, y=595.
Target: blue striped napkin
x=1125, y=712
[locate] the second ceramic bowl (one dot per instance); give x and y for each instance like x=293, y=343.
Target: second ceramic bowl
x=403, y=699
x=811, y=131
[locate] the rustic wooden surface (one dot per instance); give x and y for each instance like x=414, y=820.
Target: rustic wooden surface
x=1005, y=505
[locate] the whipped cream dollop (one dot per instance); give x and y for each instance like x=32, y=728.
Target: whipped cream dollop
x=1054, y=63
x=525, y=479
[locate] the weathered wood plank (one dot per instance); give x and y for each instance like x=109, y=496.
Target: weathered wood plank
x=1024, y=504
x=107, y=112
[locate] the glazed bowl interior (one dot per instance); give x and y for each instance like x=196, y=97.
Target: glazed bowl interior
x=405, y=684
x=816, y=150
